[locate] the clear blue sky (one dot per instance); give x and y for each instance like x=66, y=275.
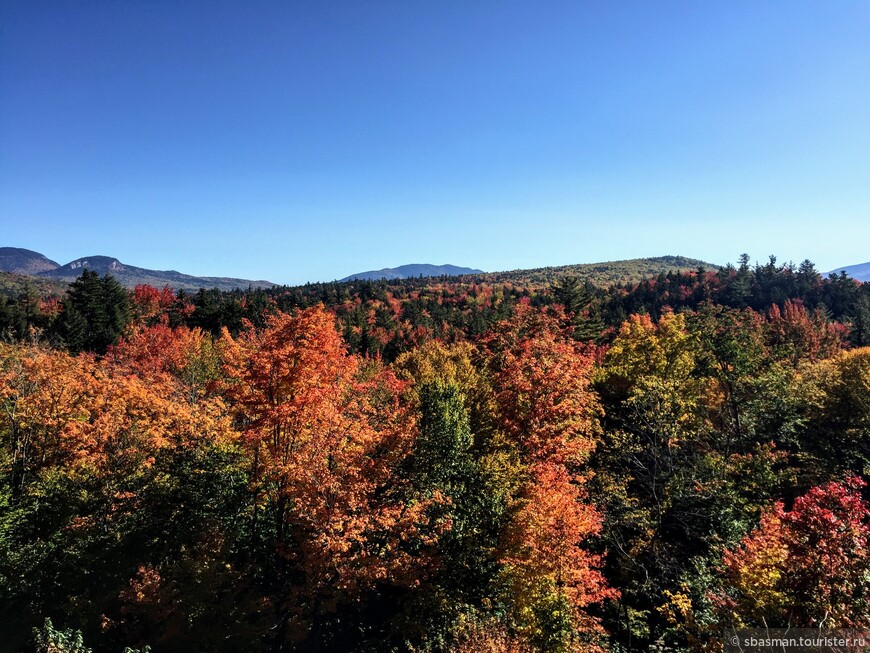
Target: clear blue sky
x=299, y=141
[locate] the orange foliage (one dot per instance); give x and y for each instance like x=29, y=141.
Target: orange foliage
x=181, y=357
x=546, y=408
x=151, y=306
x=545, y=402
x=324, y=442
x=48, y=398
x=544, y=542
x=802, y=335
x=70, y=410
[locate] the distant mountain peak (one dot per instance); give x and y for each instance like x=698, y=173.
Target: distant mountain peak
x=29, y=263
x=24, y=261
x=130, y=275
x=99, y=263
x=411, y=271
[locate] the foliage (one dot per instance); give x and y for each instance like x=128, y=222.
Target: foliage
x=493, y=463
x=324, y=441
x=50, y=640
x=806, y=567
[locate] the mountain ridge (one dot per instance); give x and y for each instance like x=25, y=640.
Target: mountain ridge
x=858, y=271
x=131, y=275
x=412, y=270
x=602, y=272
x=25, y=263
x=20, y=261
x=34, y=265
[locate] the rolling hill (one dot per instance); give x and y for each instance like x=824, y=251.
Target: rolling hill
x=604, y=273
x=13, y=284
x=17, y=265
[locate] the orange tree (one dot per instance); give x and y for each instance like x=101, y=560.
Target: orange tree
x=324, y=433
x=548, y=414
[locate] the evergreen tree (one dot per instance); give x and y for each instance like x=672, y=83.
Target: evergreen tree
x=96, y=313
x=860, y=336
x=739, y=291
x=579, y=302
x=569, y=293
x=808, y=282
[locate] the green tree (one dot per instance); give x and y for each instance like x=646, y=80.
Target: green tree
x=96, y=313
x=835, y=425
x=50, y=640
x=678, y=476
x=445, y=462
x=860, y=335
x=579, y=300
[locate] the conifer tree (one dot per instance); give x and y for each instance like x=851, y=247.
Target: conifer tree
x=96, y=313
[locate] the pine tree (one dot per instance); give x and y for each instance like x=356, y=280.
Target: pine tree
x=96, y=313
x=580, y=305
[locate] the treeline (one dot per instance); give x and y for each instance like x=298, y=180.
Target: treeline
x=542, y=487
x=757, y=287
x=386, y=318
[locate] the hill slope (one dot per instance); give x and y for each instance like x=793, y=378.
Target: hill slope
x=604, y=273
x=412, y=271
x=130, y=275
x=860, y=271
x=24, y=261
x=14, y=285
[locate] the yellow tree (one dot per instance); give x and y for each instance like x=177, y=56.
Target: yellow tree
x=46, y=398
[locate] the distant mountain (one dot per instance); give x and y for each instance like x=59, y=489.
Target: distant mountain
x=24, y=261
x=16, y=261
x=861, y=271
x=130, y=276
x=412, y=271
x=602, y=274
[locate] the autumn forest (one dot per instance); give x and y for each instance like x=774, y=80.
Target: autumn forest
x=463, y=464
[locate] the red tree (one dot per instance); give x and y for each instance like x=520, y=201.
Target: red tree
x=807, y=567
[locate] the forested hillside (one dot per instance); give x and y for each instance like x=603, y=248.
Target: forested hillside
x=468, y=465
x=603, y=274
x=14, y=286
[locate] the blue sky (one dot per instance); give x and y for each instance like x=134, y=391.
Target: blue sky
x=298, y=141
